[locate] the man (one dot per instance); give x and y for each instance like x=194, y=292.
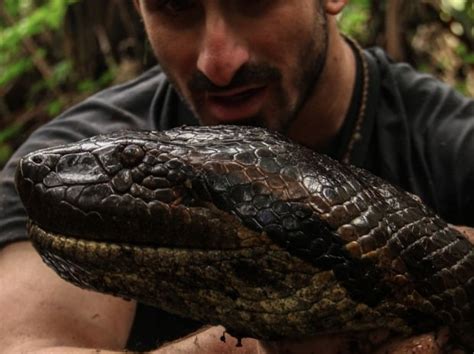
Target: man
x=275, y=63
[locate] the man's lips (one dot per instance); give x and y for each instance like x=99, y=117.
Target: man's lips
x=236, y=104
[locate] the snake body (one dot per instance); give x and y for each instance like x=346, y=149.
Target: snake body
x=241, y=227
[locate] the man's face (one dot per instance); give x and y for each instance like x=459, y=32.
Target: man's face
x=240, y=61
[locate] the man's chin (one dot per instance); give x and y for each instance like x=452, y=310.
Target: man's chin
x=255, y=121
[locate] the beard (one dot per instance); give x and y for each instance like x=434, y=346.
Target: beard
x=306, y=73
x=312, y=63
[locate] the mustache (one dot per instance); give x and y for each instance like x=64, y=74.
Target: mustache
x=248, y=74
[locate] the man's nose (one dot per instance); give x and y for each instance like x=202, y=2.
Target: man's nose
x=222, y=52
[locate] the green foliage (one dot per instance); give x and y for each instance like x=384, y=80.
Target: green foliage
x=5, y=152
x=14, y=62
x=36, y=20
x=436, y=36
x=466, y=56
x=25, y=28
x=62, y=71
x=354, y=19
x=14, y=69
x=9, y=132
x=456, y=5
x=89, y=85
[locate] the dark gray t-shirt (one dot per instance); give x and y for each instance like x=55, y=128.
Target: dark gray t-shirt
x=417, y=133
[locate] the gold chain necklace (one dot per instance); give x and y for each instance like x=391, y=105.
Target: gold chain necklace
x=356, y=133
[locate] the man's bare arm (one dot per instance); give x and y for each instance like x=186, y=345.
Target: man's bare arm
x=42, y=313
x=40, y=310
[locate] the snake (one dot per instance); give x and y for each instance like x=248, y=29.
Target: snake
x=240, y=226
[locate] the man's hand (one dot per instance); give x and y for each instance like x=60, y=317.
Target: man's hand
x=468, y=232
x=376, y=342
x=211, y=340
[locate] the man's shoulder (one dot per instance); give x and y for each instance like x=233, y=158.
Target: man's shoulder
x=419, y=134
x=389, y=68
x=146, y=83
x=406, y=78
x=418, y=94
x=129, y=105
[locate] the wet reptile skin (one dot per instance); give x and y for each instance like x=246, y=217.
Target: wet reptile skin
x=241, y=227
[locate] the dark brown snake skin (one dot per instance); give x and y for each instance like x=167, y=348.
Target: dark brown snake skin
x=241, y=227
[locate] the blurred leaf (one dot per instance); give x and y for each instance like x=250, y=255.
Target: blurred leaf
x=10, y=132
x=106, y=78
x=449, y=5
x=86, y=86
x=55, y=107
x=462, y=87
x=5, y=152
x=18, y=66
x=90, y=86
x=62, y=71
x=465, y=54
x=42, y=18
x=15, y=70
x=354, y=18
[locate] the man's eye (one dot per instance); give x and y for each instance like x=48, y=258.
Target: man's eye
x=175, y=6
x=256, y=7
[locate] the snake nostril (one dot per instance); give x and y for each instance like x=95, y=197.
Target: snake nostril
x=38, y=159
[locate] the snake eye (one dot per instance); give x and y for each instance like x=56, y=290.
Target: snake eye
x=132, y=155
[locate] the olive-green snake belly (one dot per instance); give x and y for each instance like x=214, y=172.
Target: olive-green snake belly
x=241, y=227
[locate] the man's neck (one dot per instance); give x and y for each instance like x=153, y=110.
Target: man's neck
x=323, y=115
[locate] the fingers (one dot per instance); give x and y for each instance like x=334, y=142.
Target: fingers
x=428, y=343
x=468, y=232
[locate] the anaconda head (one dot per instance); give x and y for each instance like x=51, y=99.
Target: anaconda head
x=159, y=217
x=132, y=186
x=204, y=222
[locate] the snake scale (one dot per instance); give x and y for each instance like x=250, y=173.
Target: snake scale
x=241, y=227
